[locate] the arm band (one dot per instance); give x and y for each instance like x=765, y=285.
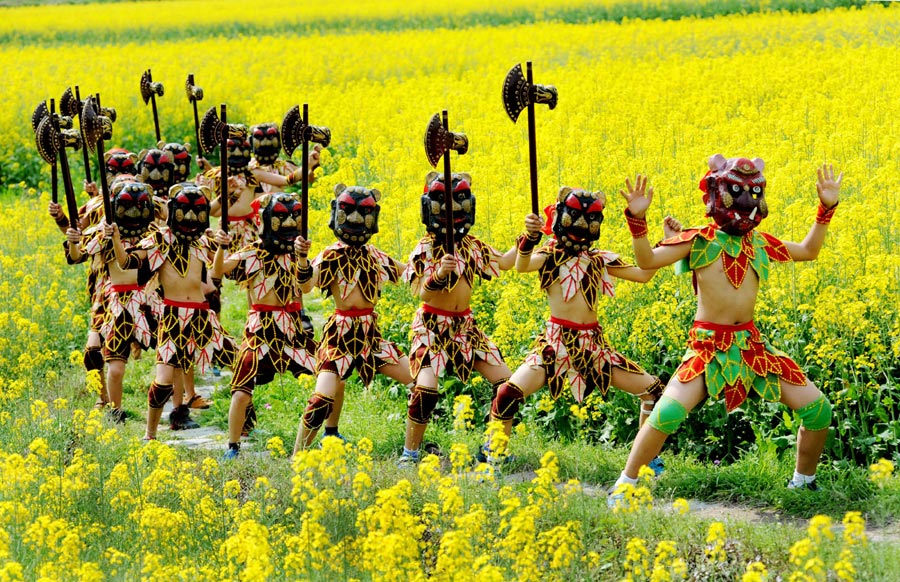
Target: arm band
x=823, y=215
x=435, y=283
x=304, y=274
x=132, y=262
x=62, y=220
x=637, y=226
x=525, y=243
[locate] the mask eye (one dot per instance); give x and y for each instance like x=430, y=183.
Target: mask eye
x=735, y=188
x=757, y=190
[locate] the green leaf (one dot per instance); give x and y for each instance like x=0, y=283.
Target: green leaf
x=704, y=252
x=715, y=382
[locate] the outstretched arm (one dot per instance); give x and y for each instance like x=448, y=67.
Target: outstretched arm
x=639, y=197
x=828, y=187
x=221, y=265
x=308, y=275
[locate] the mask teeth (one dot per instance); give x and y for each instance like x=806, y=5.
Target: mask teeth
x=753, y=213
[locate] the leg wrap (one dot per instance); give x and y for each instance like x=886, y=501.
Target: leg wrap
x=317, y=410
x=249, y=418
x=668, y=415
x=159, y=394
x=422, y=403
x=93, y=359
x=654, y=390
x=816, y=415
x=506, y=403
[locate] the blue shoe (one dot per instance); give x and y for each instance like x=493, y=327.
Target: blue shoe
x=407, y=461
x=657, y=466
x=230, y=455
x=485, y=456
x=342, y=438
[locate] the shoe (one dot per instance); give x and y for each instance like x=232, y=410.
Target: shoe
x=657, y=466
x=336, y=436
x=811, y=486
x=180, y=419
x=116, y=415
x=197, y=401
x=614, y=498
x=231, y=454
x=216, y=371
x=484, y=456
x=407, y=461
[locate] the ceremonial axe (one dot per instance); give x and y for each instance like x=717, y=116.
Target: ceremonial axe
x=439, y=141
x=296, y=130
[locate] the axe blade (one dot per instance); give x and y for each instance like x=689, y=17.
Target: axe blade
x=435, y=140
x=47, y=140
x=292, y=126
x=545, y=94
x=68, y=103
x=94, y=126
x=40, y=112
x=516, y=94
x=210, y=130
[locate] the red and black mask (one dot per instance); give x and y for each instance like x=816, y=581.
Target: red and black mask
x=433, y=216
x=157, y=170
x=577, y=217
x=265, y=141
x=120, y=161
x=354, y=214
x=188, y=207
x=132, y=207
x=239, y=153
x=181, y=160
x=734, y=193
x=280, y=214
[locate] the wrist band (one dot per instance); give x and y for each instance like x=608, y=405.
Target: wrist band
x=637, y=226
x=436, y=283
x=525, y=243
x=823, y=215
x=62, y=220
x=304, y=274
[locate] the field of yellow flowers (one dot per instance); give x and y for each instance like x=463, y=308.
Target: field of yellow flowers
x=650, y=86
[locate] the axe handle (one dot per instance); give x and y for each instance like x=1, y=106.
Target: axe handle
x=197, y=131
x=155, y=117
x=448, y=190
x=87, y=157
x=532, y=144
x=104, y=184
x=223, y=172
x=304, y=179
x=71, y=203
x=54, y=188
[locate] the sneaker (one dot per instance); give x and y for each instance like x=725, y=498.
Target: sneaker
x=231, y=454
x=657, y=466
x=811, y=486
x=197, y=401
x=613, y=498
x=407, y=461
x=180, y=419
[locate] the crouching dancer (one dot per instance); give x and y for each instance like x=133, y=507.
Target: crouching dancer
x=727, y=357
x=189, y=333
x=573, y=347
x=352, y=272
x=275, y=271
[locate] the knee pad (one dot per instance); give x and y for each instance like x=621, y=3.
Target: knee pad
x=816, y=415
x=507, y=401
x=667, y=415
x=93, y=359
x=317, y=410
x=159, y=394
x=422, y=403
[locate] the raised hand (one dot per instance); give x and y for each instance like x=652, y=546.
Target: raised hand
x=533, y=224
x=638, y=196
x=446, y=266
x=73, y=236
x=828, y=186
x=302, y=246
x=222, y=238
